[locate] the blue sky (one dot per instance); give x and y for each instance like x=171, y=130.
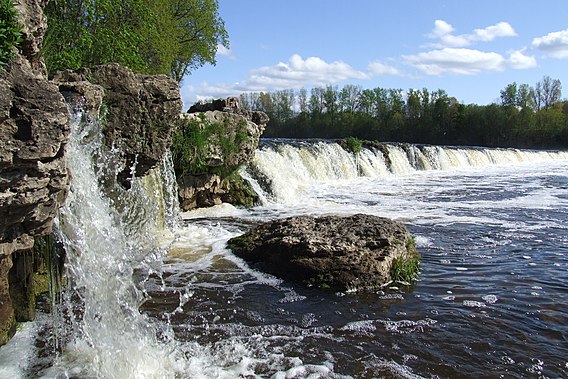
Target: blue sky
x=472, y=49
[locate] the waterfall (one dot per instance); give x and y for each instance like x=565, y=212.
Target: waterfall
x=281, y=170
x=108, y=235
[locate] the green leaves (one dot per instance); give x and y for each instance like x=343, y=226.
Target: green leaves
x=170, y=37
x=10, y=32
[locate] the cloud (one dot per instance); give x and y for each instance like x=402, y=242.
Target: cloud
x=378, y=69
x=455, y=61
x=222, y=50
x=554, y=44
x=297, y=72
x=444, y=32
x=518, y=60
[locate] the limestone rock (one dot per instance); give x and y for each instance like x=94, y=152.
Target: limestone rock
x=34, y=24
x=141, y=113
x=241, y=129
x=354, y=252
x=233, y=125
x=34, y=131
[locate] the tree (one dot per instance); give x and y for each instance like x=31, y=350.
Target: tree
x=525, y=96
x=170, y=37
x=509, y=95
x=201, y=32
x=547, y=93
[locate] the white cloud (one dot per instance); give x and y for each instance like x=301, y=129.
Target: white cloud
x=455, y=61
x=501, y=29
x=222, y=50
x=555, y=44
x=378, y=69
x=518, y=60
x=444, y=32
x=297, y=72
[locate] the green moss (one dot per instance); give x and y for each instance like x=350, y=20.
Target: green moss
x=195, y=140
x=406, y=269
x=240, y=244
x=10, y=32
x=239, y=193
x=7, y=329
x=324, y=281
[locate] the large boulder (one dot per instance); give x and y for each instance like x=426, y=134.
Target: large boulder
x=346, y=253
x=141, y=113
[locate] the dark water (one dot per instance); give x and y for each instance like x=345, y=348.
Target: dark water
x=492, y=299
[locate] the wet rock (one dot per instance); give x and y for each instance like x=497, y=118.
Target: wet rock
x=34, y=131
x=354, y=252
x=141, y=113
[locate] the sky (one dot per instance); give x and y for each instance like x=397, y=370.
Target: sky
x=471, y=49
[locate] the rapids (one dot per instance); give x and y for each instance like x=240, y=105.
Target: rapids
x=155, y=294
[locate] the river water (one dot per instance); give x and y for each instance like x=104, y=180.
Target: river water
x=491, y=300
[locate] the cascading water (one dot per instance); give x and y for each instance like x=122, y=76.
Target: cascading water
x=281, y=170
x=103, y=333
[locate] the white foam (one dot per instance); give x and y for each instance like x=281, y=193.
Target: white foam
x=15, y=356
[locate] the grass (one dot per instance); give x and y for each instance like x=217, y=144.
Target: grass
x=10, y=32
x=406, y=269
x=197, y=138
x=352, y=144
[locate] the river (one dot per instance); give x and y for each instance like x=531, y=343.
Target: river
x=491, y=300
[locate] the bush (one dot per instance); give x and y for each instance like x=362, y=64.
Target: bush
x=10, y=32
x=352, y=144
x=197, y=139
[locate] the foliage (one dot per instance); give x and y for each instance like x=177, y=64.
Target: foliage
x=352, y=144
x=528, y=116
x=197, y=139
x=10, y=32
x=170, y=37
x=406, y=269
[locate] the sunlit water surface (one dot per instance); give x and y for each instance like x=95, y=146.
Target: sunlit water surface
x=491, y=300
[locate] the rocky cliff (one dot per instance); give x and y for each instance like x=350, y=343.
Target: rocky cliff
x=140, y=118
x=213, y=141
x=34, y=129
x=141, y=112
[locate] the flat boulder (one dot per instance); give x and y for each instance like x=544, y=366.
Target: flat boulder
x=358, y=252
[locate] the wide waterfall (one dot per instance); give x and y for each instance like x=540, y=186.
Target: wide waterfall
x=281, y=169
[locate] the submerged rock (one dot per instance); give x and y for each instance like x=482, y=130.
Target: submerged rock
x=354, y=252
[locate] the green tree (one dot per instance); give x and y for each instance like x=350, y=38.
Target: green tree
x=509, y=95
x=170, y=37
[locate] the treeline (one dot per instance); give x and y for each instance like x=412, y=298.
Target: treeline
x=530, y=117
x=171, y=37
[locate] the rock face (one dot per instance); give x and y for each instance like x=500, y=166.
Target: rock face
x=354, y=252
x=34, y=130
x=229, y=125
x=141, y=112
